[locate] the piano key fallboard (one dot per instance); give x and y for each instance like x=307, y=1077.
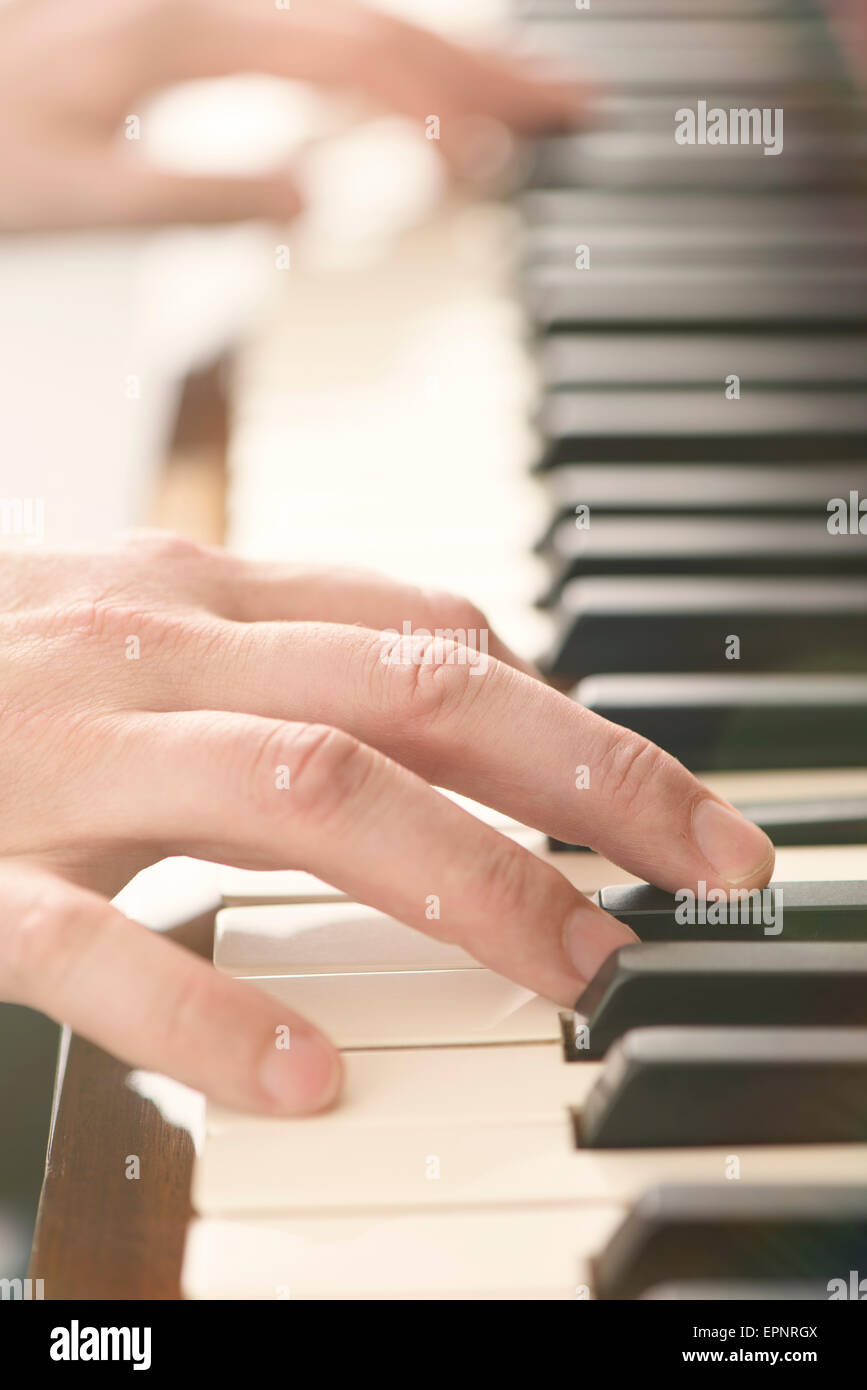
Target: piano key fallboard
x=697, y=1126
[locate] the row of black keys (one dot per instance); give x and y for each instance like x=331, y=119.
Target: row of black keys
x=748, y=1030
x=764, y=1041
x=723, y=527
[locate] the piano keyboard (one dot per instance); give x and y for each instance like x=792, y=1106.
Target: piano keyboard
x=697, y=1126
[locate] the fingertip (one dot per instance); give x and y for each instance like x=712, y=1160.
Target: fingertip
x=736, y=850
x=301, y=1072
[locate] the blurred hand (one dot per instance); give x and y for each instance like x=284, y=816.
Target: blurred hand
x=162, y=698
x=71, y=71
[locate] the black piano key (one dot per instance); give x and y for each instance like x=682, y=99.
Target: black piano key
x=683, y=546
x=615, y=250
x=667, y=426
x=733, y=722
x=736, y=1231
x=835, y=911
x=576, y=361
x=738, y=1290
x=779, y=490
x=819, y=160
x=813, y=821
x=722, y=983
x=693, y=1087
x=842, y=822
x=638, y=9
x=684, y=624
x=709, y=60
x=748, y=298
x=594, y=212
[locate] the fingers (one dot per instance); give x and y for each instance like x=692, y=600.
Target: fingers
x=399, y=65
x=269, y=592
x=496, y=735
x=265, y=794
x=69, y=953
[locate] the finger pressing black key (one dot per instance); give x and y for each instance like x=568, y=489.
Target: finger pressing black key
x=835, y=911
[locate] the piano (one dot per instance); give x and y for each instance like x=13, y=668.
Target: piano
x=615, y=408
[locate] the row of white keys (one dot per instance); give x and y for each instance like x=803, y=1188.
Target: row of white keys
x=448, y=1171
x=417, y=1008
x=316, y=938
x=526, y=1253
x=458, y=1127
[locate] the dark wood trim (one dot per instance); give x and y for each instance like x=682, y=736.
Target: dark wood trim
x=100, y=1234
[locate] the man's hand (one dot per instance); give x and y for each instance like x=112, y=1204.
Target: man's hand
x=166, y=699
x=70, y=74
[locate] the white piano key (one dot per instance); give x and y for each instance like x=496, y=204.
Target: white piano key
x=524, y=1083
x=789, y=784
x=519, y=1253
x=489, y=814
x=825, y=863
x=440, y=1163
x=264, y=886
x=417, y=1008
x=589, y=872
x=316, y=938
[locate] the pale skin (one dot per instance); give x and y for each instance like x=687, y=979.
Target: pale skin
x=111, y=763
x=71, y=73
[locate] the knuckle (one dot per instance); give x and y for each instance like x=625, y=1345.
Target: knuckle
x=325, y=771
x=436, y=689
x=164, y=547
x=424, y=680
x=633, y=766
x=112, y=622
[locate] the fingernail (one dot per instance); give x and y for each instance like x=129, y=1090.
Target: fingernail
x=302, y=1077
x=736, y=848
x=589, y=941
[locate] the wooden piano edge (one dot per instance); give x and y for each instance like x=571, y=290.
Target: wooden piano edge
x=99, y=1234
